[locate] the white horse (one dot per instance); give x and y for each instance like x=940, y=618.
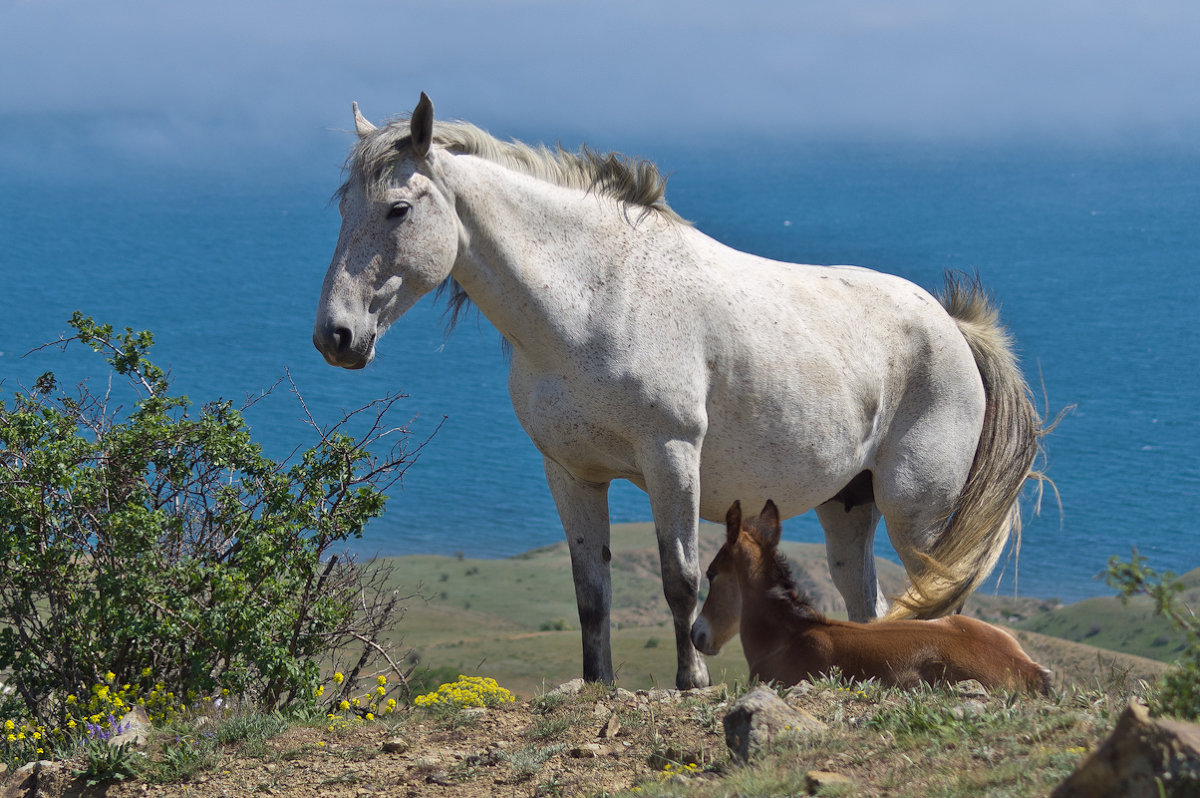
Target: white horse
x=644, y=350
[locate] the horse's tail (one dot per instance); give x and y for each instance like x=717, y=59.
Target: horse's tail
x=986, y=512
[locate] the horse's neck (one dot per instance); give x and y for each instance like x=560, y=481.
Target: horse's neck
x=534, y=254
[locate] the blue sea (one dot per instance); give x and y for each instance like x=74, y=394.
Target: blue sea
x=1093, y=254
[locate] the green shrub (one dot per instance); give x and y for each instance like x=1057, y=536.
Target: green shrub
x=1178, y=693
x=162, y=546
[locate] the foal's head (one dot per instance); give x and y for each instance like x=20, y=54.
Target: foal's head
x=746, y=556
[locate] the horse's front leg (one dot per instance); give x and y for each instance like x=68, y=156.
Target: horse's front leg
x=674, y=487
x=583, y=508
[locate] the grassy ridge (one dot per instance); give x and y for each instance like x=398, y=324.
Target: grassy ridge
x=1107, y=623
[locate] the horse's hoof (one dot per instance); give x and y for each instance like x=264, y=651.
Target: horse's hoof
x=697, y=678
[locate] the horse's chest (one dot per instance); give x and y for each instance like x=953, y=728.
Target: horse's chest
x=593, y=426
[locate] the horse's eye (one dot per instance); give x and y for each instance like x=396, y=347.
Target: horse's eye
x=399, y=211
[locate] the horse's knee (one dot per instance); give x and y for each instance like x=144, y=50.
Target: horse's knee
x=683, y=595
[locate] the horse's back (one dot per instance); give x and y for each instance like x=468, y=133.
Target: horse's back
x=790, y=379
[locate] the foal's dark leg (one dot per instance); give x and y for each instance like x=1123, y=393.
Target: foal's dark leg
x=583, y=508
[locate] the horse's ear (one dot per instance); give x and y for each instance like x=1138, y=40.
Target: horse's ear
x=769, y=526
x=361, y=125
x=421, y=126
x=733, y=522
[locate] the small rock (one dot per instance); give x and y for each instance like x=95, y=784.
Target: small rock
x=796, y=690
x=601, y=711
x=621, y=694
x=761, y=716
x=611, y=729
x=968, y=709
x=34, y=767
x=136, y=724
x=474, y=713
x=439, y=777
x=971, y=688
x=271, y=768
x=590, y=751
x=817, y=780
x=396, y=745
x=573, y=687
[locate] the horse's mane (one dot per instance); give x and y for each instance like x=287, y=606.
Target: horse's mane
x=630, y=181
x=784, y=590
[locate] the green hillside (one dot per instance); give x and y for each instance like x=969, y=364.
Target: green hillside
x=1107, y=623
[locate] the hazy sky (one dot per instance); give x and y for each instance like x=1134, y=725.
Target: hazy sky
x=155, y=78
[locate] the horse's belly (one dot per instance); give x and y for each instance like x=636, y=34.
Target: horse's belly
x=797, y=472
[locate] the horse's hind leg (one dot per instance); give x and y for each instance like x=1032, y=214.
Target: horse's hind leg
x=583, y=508
x=850, y=547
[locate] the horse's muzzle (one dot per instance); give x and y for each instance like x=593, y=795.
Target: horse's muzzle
x=340, y=347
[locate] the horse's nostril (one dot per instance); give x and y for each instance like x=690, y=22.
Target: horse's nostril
x=342, y=338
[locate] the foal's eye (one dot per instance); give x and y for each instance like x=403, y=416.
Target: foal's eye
x=399, y=211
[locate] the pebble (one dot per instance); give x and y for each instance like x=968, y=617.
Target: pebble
x=611, y=729
x=396, y=745
x=590, y=751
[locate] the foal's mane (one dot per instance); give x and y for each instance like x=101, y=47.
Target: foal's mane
x=628, y=180
x=784, y=590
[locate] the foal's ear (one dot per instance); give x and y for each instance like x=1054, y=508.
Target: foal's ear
x=769, y=527
x=421, y=126
x=733, y=522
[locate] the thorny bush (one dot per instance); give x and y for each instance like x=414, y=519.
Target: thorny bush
x=164, y=544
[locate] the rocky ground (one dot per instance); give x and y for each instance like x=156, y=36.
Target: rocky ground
x=596, y=740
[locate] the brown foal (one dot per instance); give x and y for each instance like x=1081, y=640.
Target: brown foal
x=786, y=640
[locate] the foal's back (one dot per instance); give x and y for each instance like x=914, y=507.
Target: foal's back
x=946, y=650
x=785, y=639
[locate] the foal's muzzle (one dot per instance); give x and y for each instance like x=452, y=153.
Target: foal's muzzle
x=702, y=638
